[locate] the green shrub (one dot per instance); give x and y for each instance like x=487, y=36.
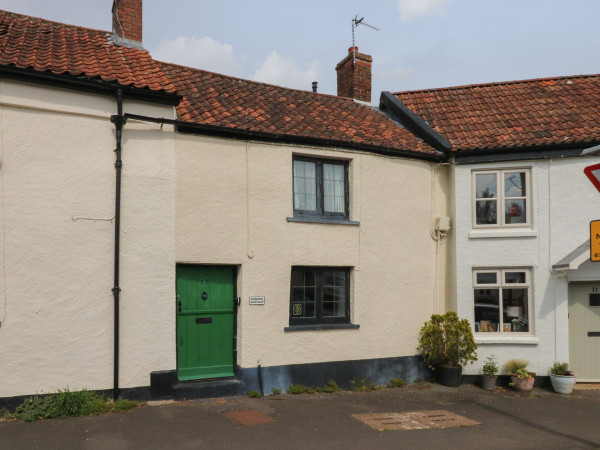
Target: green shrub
x=5, y=414
x=417, y=380
x=301, y=389
x=331, y=387
x=362, y=384
x=513, y=365
x=561, y=368
x=447, y=340
x=396, y=383
x=68, y=404
x=490, y=367
x=276, y=391
x=253, y=394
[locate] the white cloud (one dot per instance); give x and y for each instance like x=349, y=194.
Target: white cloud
x=414, y=9
x=277, y=69
x=201, y=53
x=399, y=73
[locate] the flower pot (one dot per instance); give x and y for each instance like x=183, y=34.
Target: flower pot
x=562, y=384
x=449, y=376
x=488, y=382
x=522, y=384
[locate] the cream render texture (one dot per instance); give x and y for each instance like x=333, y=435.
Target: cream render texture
x=233, y=201
x=56, y=220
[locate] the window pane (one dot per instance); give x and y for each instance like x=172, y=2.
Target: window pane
x=304, y=292
x=486, y=278
x=516, y=314
x=486, y=212
x=514, y=211
x=487, y=305
x=334, y=294
x=305, y=186
x=515, y=277
x=485, y=185
x=514, y=184
x=333, y=188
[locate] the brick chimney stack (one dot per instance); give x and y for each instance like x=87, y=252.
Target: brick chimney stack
x=127, y=22
x=354, y=75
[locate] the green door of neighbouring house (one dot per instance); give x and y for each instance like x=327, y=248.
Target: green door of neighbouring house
x=205, y=321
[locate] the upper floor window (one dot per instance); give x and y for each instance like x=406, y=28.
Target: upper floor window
x=320, y=187
x=501, y=198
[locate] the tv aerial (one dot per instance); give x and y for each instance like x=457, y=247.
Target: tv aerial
x=355, y=23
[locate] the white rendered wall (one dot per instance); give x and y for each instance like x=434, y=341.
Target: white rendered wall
x=233, y=199
x=57, y=234
x=562, y=199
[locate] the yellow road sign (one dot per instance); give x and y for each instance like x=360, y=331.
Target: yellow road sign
x=595, y=240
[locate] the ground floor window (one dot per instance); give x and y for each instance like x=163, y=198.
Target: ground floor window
x=320, y=295
x=502, y=300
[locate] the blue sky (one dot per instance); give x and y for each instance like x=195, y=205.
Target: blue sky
x=421, y=43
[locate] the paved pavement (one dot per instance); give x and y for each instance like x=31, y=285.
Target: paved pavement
x=507, y=420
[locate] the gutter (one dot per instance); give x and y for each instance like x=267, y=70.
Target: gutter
x=236, y=133
x=87, y=84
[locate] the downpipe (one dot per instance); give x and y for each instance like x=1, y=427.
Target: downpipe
x=119, y=121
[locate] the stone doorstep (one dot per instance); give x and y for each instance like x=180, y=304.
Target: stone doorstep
x=414, y=420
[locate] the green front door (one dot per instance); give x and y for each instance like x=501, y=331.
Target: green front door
x=205, y=314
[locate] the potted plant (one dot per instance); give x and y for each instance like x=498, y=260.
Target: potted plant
x=446, y=343
x=562, y=379
x=488, y=375
x=520, y=378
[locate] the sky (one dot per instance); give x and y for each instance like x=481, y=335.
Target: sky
x=420, y=44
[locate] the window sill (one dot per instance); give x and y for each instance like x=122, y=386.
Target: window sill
x=496, y=233
x=322, y=326
x=502, y=339
x=308, y=219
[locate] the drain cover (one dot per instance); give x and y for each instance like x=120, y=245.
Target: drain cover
x=414, y=420
x=248, y=417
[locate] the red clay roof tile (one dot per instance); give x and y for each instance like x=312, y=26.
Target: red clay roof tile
x=515, y=114
x=32, y=43
x=221, y=100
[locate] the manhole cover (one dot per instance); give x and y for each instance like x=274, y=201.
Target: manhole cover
x=414, y=420
x=248, y=417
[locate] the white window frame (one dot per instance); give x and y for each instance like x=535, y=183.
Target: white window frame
x=500, y=285
x=500, y=198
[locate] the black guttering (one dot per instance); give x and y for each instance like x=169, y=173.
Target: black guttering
x=401, y=113
x=239, y=133
x=87, y=84
x=552, y=151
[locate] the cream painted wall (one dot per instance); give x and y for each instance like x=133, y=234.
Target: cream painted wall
x=58, y=187
x=563, y=202
x=233, y=199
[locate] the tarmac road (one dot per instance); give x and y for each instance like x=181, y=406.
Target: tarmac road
x=507, y=420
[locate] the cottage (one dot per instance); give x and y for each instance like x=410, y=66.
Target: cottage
x=163, y=224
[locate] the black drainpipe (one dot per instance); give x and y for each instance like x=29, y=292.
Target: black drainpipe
x=119, y=120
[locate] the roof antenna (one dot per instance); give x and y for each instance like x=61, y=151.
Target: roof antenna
x=356, y=22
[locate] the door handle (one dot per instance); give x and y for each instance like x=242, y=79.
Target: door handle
x=179, y=305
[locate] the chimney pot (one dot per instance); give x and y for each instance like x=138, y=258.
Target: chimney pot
x=127, y=22
x=314, y=86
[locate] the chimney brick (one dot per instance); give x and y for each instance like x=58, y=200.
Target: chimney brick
x=354, y=79
x=127, y=20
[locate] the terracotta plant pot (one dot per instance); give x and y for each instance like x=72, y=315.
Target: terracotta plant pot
x=562, y=384
x=488, y=382
x=522, y=384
